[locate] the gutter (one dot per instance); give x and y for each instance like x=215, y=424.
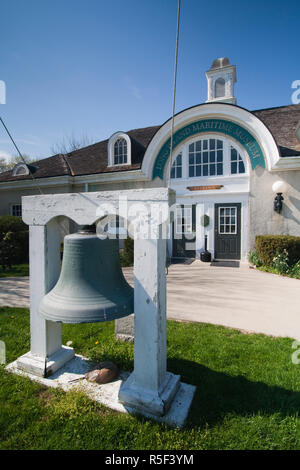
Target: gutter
x=287, y=163
x=56, y=181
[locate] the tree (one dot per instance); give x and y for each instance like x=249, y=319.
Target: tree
x=3, y=165
x=70, y=143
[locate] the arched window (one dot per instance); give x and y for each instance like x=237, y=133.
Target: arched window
x=176, y=170
x=211, y=156
x=120, y=151
x=220, y=88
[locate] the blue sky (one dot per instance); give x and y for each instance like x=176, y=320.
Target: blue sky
x=92, y=67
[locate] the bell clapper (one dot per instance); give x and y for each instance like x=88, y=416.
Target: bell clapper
x=104, y=372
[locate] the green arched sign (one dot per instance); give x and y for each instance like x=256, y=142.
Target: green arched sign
x=205, y=126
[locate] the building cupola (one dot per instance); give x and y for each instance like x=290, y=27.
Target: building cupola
x=221, y=78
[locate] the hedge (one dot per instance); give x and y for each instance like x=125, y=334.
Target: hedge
x=14, y=241
x=10, y=223
x=268, y=246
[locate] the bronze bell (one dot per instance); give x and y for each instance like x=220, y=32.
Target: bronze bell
x=91, y=287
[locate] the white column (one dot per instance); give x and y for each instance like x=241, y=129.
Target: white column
x=46, y=353
x=150, y=388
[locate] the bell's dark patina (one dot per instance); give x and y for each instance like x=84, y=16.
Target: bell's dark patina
x=91, y=287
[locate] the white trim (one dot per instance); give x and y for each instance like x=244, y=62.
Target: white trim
x=287, y=163
x=130, y=175
x=116, y=176
x=29, y=184
x=238, y=115
x=110, y=148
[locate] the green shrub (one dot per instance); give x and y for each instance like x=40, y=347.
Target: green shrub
x=281, y=262
x=14, y=241
x=127, y=254
x=269, y=246
x=295, y=270
x=10, y=223
x=253, y=258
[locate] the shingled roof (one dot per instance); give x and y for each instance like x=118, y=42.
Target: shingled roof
x=281, y=121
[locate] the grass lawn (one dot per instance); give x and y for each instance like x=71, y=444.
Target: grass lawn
x=15, y=271
x=247, y=393
x=293, y=273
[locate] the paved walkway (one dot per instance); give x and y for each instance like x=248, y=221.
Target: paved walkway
x=14, y=292
x=241, y=298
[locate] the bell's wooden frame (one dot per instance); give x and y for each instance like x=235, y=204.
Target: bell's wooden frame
x=150, y=388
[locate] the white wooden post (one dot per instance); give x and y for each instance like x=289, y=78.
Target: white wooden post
x=46, y=352
x=150, y=388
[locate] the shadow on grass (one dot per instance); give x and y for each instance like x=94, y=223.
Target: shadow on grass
x=219, y=394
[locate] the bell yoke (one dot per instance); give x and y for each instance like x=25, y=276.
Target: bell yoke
x=91, y=287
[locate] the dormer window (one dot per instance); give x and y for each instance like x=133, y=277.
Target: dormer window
x=21, y=169
x=119, y=149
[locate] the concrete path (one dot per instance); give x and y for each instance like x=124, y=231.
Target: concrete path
x=241, y=298
x=14, y=292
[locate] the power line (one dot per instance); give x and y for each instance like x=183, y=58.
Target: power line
x=20, y=155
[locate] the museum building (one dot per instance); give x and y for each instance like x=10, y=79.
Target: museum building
x=236, y=172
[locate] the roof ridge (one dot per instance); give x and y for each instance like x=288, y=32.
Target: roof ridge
x=276, y=107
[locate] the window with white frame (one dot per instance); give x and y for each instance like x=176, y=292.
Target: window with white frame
x=227, y=220
x=120, y=151
x=176, y=170
x=209, y=157
x=16, y=210
x=183, y=220
x=236, y=162
x=206, y=158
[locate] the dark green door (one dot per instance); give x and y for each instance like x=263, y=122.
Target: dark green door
x=228, y=231
x=184, y=232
